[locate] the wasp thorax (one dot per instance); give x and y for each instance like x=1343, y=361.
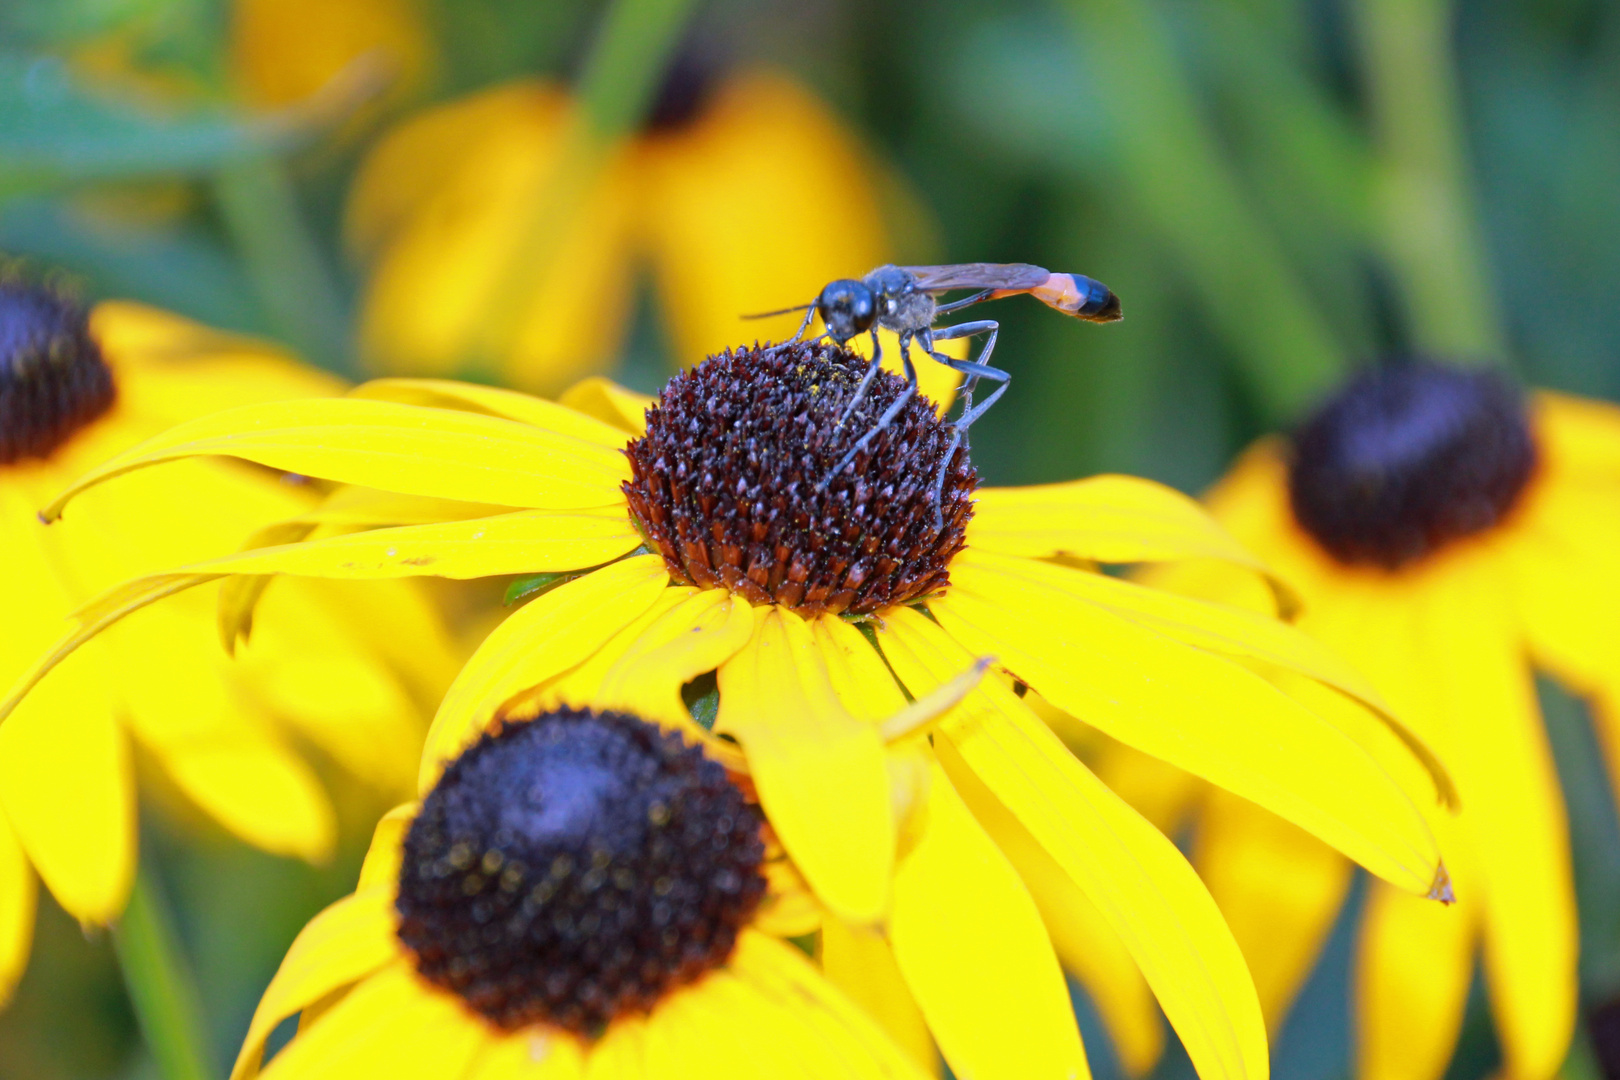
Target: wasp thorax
x=1407, y=458
x=53, y=380
x=575, y=867
x=733, y=483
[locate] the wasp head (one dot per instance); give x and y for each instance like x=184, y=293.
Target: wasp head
x=847, y=307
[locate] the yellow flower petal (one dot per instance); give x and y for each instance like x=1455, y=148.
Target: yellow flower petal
x=974, y=951
x=860, y=963
x=1160, y=792
x=1085, y=944
x=542, y=639
x=1578, y=435
x=1514, y=811
x=1111, y=519
x=352, y=668
x=527, y=541
x=1279, y=888
x=1127, y=868
x=170, y=368
x=443, y=453
x=346, y=942
x=524, y=408
x=1566, y=580
x=260, y=791
x=19, y=895
x=471, y=277
x=530, y=1055
x=718, y=217
x=621, y=1052
x=820, y=772
x=1213, y=627
x=1416, y=961
x=383, y=857
x=609, y=402
x=800, y=993
x=697, y=635
x=859, y=676
x=283, y=51
x=1182, y=704
x=393, y=1024
x=67, y=786
x=414, y=158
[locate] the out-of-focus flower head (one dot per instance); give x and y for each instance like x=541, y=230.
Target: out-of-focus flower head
x=695, y=560
x=349, y=672
x=580, y=893
x=285, y=51
x=1449, y=536
x=743, y=194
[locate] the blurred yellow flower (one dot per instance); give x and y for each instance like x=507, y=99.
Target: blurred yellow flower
x=704, y=537
x=284, y=51
x=751, y=200
x=577, y=894
x=1446, y=538
x=347, y=671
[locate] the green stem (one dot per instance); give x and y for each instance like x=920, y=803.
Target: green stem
x=620, y=77
x=1425, y=199
x=1177, y=177
x=259, y=206
x=160, y=983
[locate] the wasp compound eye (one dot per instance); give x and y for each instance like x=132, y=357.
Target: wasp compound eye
x=53, y=380
x=575, y=867
x=847, y=307
x=1408, y=458
x=727, y=483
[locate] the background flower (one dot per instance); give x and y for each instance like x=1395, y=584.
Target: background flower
x=224, y=735
x=1274, y=189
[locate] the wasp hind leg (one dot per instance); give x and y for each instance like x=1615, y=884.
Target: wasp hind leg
x=888, y=414
x=974, y=370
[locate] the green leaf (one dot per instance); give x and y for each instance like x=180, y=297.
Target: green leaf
x=527, y=588
x=57, y=131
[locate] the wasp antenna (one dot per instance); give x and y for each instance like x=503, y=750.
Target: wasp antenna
x=781, y=311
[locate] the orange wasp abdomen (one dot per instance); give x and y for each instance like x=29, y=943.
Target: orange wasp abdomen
x=1073, y=294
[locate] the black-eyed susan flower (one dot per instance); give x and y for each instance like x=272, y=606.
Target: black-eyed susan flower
x=1448, y=536
x=577, y=894
x=76, y=389
x=744, y=195
x=285, y=51
x=706, y=537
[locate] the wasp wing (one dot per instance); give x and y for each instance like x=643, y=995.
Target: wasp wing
x=977, y=276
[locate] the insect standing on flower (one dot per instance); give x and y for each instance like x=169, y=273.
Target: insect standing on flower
x=905, y=299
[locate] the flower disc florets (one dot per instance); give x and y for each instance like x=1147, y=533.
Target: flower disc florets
x=733, y=483
x=53, y=380
x=1407, y=458
x=575, y=867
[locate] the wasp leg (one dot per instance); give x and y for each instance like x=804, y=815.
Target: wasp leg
x=966, y=301
x=808, y=315
x=974, y=370
x=888, y=414
x=866, y=381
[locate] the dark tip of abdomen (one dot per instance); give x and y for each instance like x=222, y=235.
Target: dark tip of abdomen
x=1101, y=304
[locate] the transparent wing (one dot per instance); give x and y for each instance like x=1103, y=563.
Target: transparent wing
x=978, y=276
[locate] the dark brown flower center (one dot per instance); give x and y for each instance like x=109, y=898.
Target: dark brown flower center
x=1408, y=458
x=53, y=380
x=576, y=867
x=733, y=483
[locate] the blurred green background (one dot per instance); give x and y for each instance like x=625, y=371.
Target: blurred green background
x=1279, y=190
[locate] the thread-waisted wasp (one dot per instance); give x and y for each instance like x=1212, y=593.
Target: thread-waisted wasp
x=905, y=299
